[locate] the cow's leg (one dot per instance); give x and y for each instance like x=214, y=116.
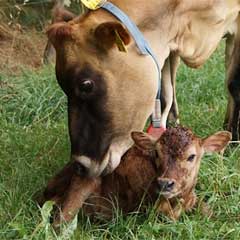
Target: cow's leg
x=174, y=64
x=228, y=55
x=233, y=83
x=167, y=92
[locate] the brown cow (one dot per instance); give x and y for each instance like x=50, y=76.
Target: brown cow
x=61, y=14
x=111, y=93
x=169, y=165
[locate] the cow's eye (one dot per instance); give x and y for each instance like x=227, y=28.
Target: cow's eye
x=86, y=86
x=191, y=158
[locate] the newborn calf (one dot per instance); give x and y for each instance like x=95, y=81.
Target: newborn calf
x=165, y=169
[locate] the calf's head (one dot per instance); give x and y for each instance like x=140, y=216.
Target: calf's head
x=110, y=93
x=179, y=154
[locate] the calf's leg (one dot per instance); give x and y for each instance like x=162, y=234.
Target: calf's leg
x=69, y=191
x=58, y=185
x=77, y=193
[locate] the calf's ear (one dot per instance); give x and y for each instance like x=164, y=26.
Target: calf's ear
x=217, y=141
x=143, y=141
x=112, y=33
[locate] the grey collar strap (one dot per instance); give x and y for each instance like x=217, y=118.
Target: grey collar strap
x=140, y=40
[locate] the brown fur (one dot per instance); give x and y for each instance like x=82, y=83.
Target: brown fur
x=105, y=35
x=175, y=141
x=138, y=175
x=59, y=30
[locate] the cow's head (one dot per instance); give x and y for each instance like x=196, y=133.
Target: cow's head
x=179, y=154
x=110, y=93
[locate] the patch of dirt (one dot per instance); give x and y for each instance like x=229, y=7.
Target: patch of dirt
x=20, y=48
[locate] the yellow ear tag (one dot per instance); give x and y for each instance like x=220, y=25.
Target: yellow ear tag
x=120, y=44
x=93, y=4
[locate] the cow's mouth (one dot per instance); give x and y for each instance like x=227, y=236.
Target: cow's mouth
x=86, y=167
x=111, y=160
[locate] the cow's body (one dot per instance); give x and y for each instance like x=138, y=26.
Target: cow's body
x=123, y=86
x=203, y=44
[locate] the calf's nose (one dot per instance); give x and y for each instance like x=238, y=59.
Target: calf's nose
x=165, y=185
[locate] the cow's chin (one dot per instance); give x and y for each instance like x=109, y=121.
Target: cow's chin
x=113, y=157
x=110, y=161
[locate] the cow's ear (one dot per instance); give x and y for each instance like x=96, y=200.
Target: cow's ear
x=216, y=142
x=110, y=34
x=58, y=32
x=143, y=141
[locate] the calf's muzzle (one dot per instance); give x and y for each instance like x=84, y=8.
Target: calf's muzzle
x=165, y=185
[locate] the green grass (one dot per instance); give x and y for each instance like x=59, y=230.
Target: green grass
x=34, y=145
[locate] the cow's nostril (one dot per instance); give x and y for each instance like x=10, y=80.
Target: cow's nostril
x=80, y=169
x=86, y=86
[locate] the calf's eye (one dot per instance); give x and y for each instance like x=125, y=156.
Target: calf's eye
x=191, y=158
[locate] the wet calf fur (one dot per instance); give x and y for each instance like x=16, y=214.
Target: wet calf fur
x=163, y=170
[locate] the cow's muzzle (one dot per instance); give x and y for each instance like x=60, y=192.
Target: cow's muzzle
x=88, y=167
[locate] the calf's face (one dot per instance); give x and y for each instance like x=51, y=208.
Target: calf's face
x=179, y=155
x=109, y=92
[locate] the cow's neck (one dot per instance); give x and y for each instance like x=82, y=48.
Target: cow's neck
x=141, y=11
x=153, y=19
